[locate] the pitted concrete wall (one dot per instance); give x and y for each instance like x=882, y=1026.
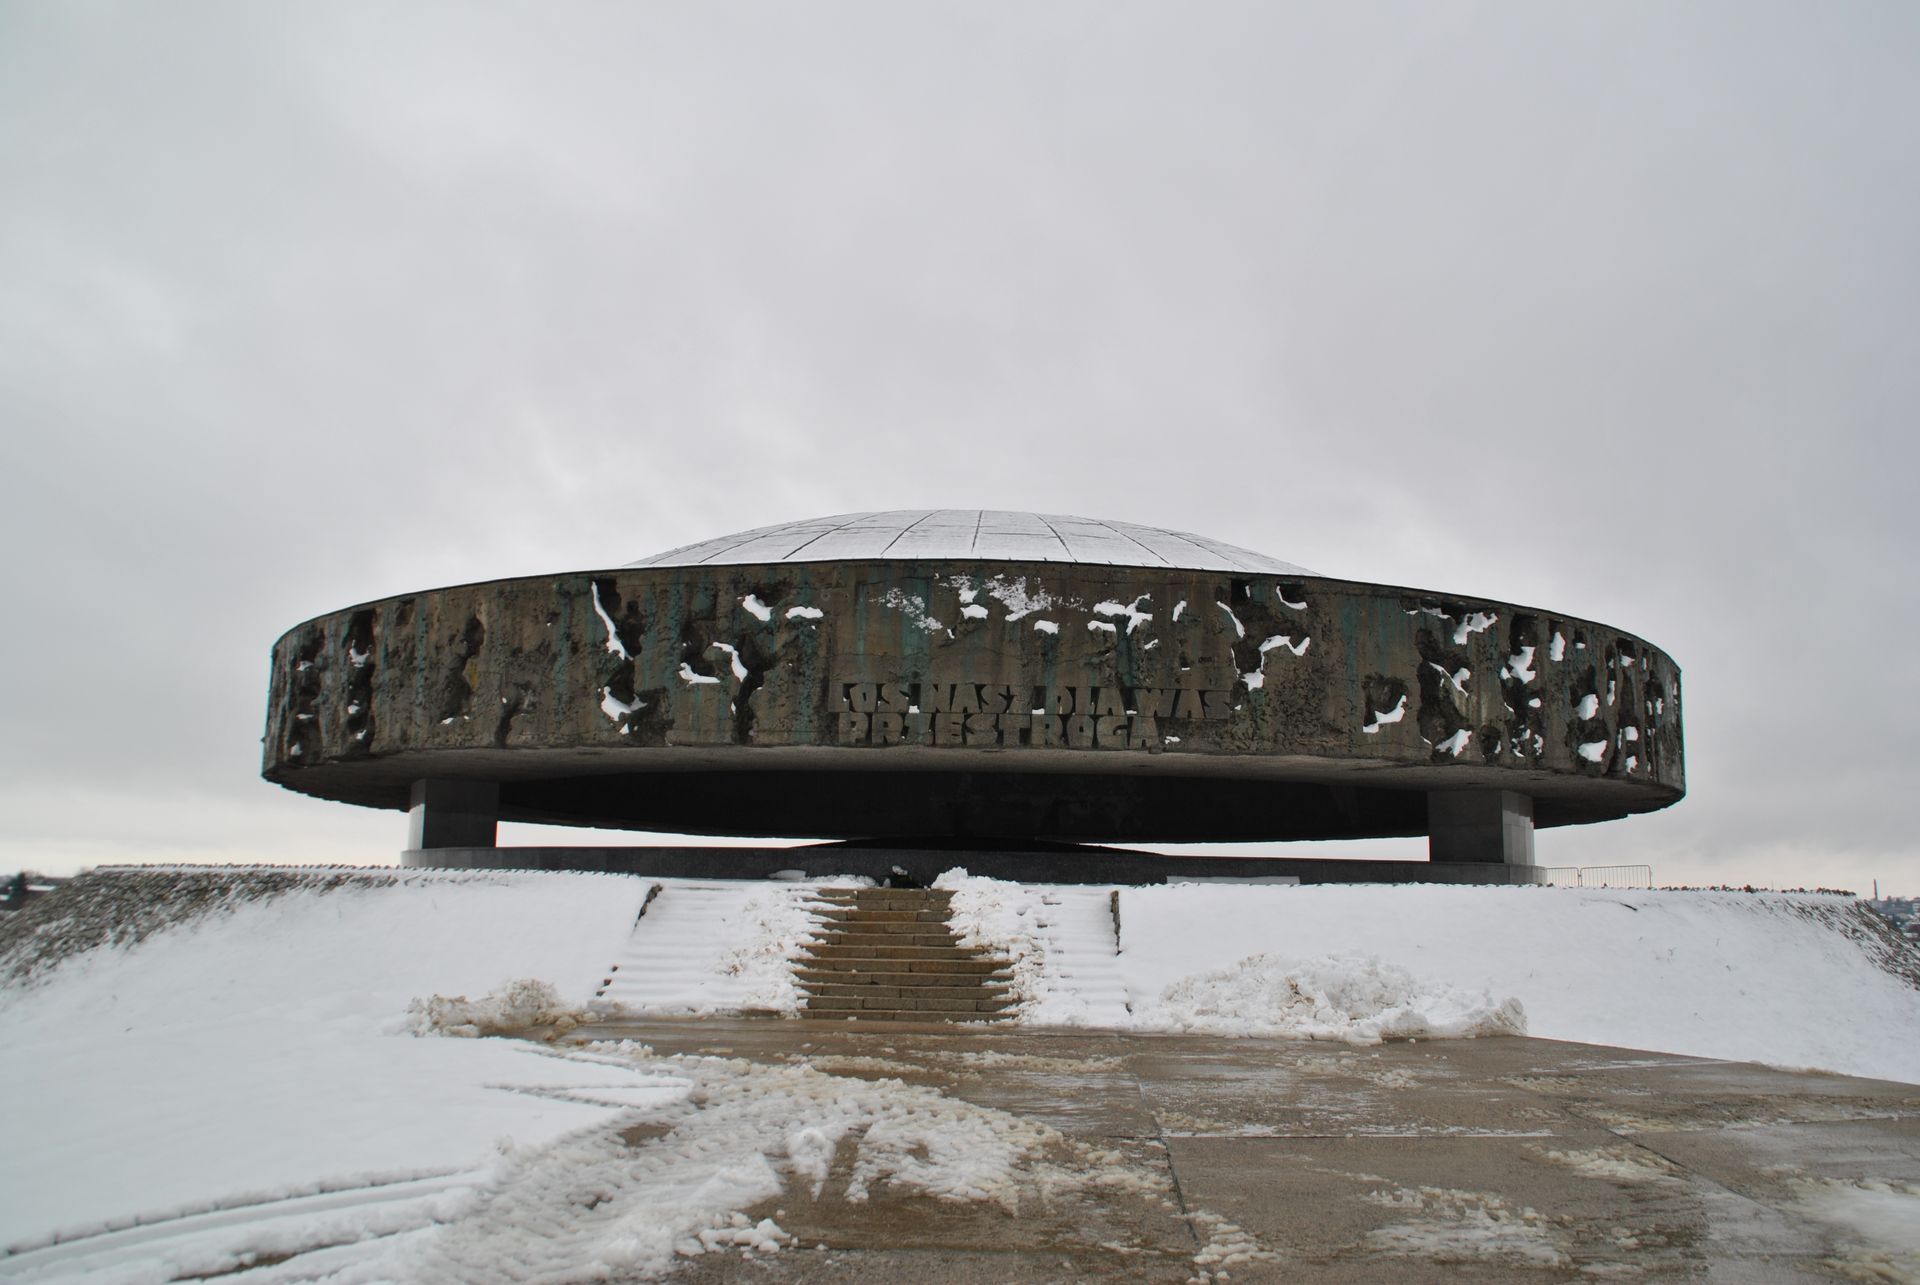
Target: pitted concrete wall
x=1027, y=687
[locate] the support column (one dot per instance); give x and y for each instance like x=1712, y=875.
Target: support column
x=1480, y=825
x=453, y=814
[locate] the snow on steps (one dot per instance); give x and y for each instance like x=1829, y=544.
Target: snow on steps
x=1062, y=941
x=1077, y=931
x=713, y=946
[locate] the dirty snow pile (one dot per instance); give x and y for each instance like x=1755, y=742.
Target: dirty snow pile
x=525, y=1002
x=1354, y=998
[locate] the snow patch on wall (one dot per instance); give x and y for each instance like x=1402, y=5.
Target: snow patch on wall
x=1475, y=622
x=1135, y=616
x=1020, y=600
x=616, y=709
x=614, y=645
x=732, y=653
x=1255, y=679
x=1382, y=717
x=913, y=606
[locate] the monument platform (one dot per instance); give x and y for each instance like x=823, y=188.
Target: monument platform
x=1060, y=863
x=1511, y=1160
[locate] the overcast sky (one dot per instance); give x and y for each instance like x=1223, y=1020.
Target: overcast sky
x=1609, y=309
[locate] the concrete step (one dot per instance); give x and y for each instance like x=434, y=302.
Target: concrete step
x=891, y=950
x=901, y=995
x=886, y=894
x=982, y=967
x=891, y=976
x=884, y=1015
x=902, y=1004
x=882, y=910
x=886, y=941
x=936, y=984
x=867, y=915
x=907, y=923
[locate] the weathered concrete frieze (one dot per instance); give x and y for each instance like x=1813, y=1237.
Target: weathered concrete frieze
x=1024, y=671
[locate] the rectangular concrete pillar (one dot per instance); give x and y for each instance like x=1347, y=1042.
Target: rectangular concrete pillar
x=453, y=814
x=1480, y=825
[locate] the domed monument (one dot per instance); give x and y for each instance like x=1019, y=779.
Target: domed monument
x=977, y=680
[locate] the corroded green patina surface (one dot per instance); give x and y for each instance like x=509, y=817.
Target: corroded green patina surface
x=610, y=683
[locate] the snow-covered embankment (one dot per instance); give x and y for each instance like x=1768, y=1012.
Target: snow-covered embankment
x=215, y=1072
x=1787, y=979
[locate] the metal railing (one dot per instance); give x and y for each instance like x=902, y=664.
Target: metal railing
x=1600, y=876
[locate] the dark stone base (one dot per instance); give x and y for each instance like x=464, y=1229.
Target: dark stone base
x=920, y=866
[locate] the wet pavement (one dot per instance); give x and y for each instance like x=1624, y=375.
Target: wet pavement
x=1271, y=1160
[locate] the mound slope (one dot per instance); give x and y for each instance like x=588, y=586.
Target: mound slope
x=252, y=1033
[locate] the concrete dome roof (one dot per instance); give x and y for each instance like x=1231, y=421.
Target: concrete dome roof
x=992, y=535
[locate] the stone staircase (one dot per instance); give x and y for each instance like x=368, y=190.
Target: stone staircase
x=890, y=955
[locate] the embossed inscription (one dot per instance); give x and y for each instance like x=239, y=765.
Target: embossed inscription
x=991, y=714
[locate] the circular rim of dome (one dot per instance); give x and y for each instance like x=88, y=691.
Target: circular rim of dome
x=987, y=535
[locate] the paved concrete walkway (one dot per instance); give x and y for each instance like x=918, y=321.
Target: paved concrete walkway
x=1482, y=1160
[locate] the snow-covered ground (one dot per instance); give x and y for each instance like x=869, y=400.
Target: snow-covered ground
x=262, y=1051
x=250, y=1080
x=1789, y=980
x=250, y=1088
